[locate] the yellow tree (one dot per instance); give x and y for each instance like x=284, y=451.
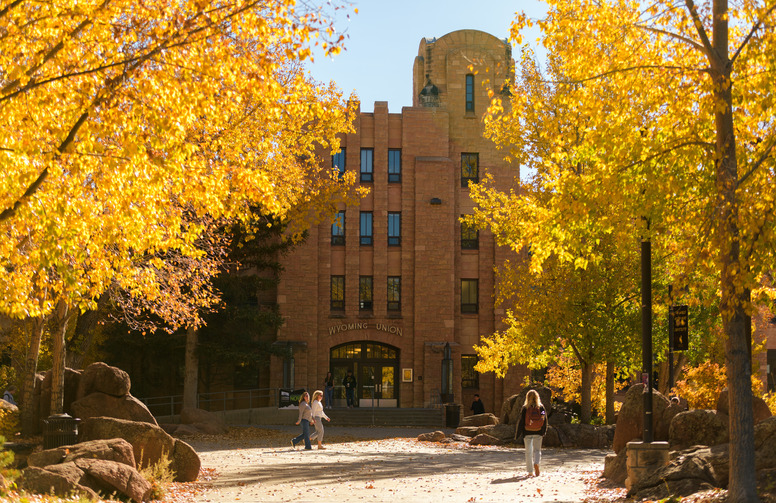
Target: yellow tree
x=119, y=118
x=675, y=105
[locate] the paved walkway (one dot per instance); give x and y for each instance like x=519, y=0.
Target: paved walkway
x=387, y=464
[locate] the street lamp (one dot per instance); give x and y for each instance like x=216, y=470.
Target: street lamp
x=447, y=375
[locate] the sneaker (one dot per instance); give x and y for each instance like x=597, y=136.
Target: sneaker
x=293, y=445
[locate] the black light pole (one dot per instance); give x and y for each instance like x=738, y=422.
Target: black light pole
x=646, y=333
x=670, y=338
x=447, y=374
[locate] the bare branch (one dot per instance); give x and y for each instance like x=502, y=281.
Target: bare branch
x=8, y=7
x=751, y=33
x=765, y=155
x=699, y=28
x=691, y=43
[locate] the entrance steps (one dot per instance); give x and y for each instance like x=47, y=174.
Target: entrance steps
x=367, y=416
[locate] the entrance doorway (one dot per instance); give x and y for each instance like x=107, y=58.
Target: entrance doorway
x=375, y=367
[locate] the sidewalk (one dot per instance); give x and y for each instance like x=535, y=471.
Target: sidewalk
x=387, y=464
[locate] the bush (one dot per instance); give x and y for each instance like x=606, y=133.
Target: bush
x=7, y=475
x=9, y=423
x=702, y=385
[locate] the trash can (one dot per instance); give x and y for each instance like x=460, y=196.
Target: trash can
x=452, y=415
x=59, y=430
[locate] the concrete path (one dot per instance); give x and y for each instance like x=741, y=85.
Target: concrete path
x=388, y=464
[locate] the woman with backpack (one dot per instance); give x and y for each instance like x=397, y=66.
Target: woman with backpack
x=532, y=426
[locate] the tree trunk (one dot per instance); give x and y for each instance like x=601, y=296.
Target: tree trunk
x=735, y=294
x=609, y=393
x=192, y=369
x=83, y=337
x=27, y=412
x=585, y=392
x=58, y=358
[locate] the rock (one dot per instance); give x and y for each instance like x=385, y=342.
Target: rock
x=681, y=477
x=697, y=427
x=484, y=439
x=503, y=432
x=103, y=405
x=765, y=444
x=759, y=407
x=467, y=431
x=115, y=449
x=8, y=406
x=479, y=420
x=110, y=476
x=583, y=436
x=149, y=444
x=630, y=420
x=102, y=378
x=510, y=410
x=616, y=467
x=434, y=436
x=62, y=482
x=72, y=381
x=459, y=438
x=559, y=417
x=551, y=438
x=718, y=456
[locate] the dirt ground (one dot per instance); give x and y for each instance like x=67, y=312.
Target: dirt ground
x=387, y=464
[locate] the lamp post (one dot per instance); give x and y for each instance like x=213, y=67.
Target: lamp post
x=646, y=333
x=447, y=375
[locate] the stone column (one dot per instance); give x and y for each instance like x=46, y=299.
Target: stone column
x=643, y=459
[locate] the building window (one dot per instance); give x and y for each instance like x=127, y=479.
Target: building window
x=365, y=293
x=394, y=293
x=338, y=293
x=338, y=161
x=394, y=166
x=470, y=378
x=367, y=165
x=470, y=236
x=470, y=93
x=470, y=168
x=366, y=228
x=338, y=229
x=394, y=228
x=469, y=295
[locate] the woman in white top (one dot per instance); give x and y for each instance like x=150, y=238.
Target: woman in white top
x=318, y=416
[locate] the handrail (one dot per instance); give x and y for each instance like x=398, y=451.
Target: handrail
x=214, y=401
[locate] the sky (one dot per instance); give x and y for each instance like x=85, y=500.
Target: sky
x=383, y=39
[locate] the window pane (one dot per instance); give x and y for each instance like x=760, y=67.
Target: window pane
x=365, y=293
x=394, y=293
x=366, y=228
x=394, y=166
x=469, y=236
x=338, y=293
x=338, y=229
x=470, y=93
x=470, y=378
x=338, y=161
x=394, y=229
x=470, y=168
x=366, y=164
x=469, y=296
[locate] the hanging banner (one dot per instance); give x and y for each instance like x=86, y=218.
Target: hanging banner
x=681, y=329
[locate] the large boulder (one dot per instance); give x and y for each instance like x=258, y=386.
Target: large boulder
x=149, y=443
x=584, y=436
x=510, y=410
x=100, y=377
x=479, y=420
x=109, y=476
x=434, y=436
x=485, y=439
x=115, y=449
x=467, y=431
x=61, y=480
x=760, y=409
x=99, y=404
x=680, y=477
x=765, y=444
x=717, y=456
x=697, y=427
x=616, y=467
x=630, y=420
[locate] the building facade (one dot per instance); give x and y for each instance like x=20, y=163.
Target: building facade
x=396, y=289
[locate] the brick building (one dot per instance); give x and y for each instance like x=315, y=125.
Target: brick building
x=392, y=282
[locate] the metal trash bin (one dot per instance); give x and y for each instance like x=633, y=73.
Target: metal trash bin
x=452, y=415
x=59, y=430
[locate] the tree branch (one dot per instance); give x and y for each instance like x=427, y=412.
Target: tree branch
x=669, y=34
x=759, y=162
x=751, y=34
x=8, y=7
x=699, y=28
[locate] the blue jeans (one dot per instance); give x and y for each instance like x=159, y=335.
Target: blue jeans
x=533, y=451
x=328, y=396
x=349, y=393
x=304, y=435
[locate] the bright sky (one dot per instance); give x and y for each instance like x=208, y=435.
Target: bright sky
x=385, y=34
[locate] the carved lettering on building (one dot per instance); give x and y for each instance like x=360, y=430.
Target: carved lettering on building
x=383, y=327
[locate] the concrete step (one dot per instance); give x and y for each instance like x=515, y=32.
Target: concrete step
x=387, y=417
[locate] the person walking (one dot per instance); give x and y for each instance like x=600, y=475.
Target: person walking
x=328, y=390
x=477, y=406
x=350, y=388
x=305, y=418
x=318, y=416
x=532, y=426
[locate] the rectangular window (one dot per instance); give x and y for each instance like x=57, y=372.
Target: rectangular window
x=338, y=293
x=470, y=237
x=365, y=293
x=338, y=161
x=470, y=378
x=338, y=229
x=394, y=166
x=366, y=228
x=469, y=295
x=470, y=168
x=470, y=93
x=367, y=165
x=394, y=293
x=394, y=228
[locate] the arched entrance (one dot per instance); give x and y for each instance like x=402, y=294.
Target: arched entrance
x=376, y=369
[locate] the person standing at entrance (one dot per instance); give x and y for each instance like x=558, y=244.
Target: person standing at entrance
x=318, y=416
x=477, y=406
x=350, y=388
x=328, y=390
x=305, y=418
x=532, y=426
